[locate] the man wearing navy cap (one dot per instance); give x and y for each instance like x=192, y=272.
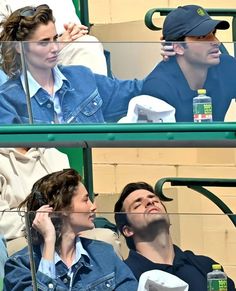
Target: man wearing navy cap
x=198, y=64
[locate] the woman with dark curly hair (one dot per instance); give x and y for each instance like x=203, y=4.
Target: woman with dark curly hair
x=58, y=94
x=59, y=208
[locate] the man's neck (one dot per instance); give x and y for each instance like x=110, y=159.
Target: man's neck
x=159, y=249
x=194, y=74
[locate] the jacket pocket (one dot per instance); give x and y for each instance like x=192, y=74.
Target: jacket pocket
x=87, y=111
x=106, y=283
x=92, y=106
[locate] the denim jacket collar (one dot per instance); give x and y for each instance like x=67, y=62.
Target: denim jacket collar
x=34, y=86
x=80, y=251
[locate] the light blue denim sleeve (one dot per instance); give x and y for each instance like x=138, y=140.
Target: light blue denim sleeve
x=47, y=268
x=3, y=77
x=3, y=256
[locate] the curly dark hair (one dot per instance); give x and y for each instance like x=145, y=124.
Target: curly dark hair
x=20, y=26
x=55, y=189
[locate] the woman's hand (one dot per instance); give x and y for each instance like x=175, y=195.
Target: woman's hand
x=43, y=224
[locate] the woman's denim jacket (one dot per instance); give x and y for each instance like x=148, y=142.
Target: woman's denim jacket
x=84, y=98
x=102, y=271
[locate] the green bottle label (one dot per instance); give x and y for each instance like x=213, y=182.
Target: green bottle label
x=217, y=285
x=202, y=108
x=202, y=112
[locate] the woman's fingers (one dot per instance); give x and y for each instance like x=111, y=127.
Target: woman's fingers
x=42, y=222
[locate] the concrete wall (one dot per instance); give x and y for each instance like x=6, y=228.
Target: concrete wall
x=116, y=11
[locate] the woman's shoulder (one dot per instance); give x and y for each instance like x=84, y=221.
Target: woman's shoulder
x=77, y=74
x=75, y=69
x=90, y=242
x=10, y=84
x=94, y=246
x=19, y=256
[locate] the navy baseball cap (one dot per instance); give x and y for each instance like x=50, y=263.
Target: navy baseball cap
x=190, y=20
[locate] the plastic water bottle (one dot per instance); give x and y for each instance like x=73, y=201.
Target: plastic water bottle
x=217, y=279
x=202, y=107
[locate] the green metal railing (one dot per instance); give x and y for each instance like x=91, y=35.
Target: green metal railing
x=197, y=184
x=81, y=7
x=120, y=135
x=117, y=135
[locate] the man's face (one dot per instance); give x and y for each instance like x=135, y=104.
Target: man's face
x=144, y=208
x=202, y=50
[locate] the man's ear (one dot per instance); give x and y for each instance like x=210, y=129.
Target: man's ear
x=127, y=231
x=178, y=49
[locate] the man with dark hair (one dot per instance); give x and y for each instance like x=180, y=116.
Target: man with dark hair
x=197, y=64
x=143, y=220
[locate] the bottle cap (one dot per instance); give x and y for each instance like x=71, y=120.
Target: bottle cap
x=216, y=267
x=201, y=91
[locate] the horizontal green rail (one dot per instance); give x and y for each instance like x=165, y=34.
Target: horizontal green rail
x=120, y=135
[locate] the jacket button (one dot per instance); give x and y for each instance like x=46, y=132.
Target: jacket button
x=49, y=105
x=108, y=285
x=65, y=280
x=95, y=103
x=50, y=286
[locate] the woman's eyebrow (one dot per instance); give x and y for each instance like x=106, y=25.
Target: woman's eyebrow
x=48, y=38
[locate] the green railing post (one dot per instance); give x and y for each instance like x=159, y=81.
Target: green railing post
x=84, y=12
x=197, y=184
x=77, y=7
x=88, y=171
x=81, y=8
x=75, y=156
x=81, y=160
